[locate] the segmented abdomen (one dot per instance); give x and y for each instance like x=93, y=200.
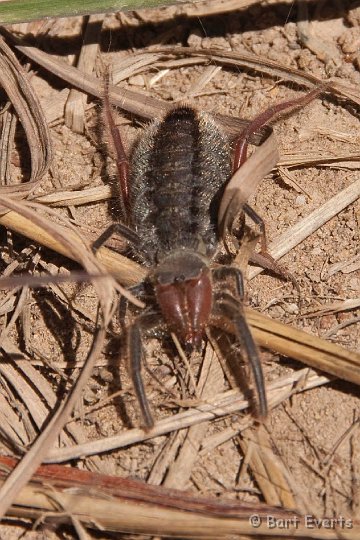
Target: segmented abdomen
x=177, y=171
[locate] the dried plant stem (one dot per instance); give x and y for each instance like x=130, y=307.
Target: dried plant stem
x=218, y=406
x=308, y=225
x=119, y=266
x=117, y=504
x=311, y=350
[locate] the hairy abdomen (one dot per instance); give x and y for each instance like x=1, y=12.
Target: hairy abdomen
x=178, y=169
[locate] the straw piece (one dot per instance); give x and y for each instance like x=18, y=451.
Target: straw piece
x=308, y=225
x=76, y=102
x=311, y=350
x=113, y=262
x=124, y=505
x=215, y=407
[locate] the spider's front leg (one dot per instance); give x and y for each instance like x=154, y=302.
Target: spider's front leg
x=240, y=156
x=122, y=164
x=228, y=313
x=143, y=323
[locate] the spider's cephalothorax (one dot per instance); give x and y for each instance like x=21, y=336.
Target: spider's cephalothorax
x=170, y=195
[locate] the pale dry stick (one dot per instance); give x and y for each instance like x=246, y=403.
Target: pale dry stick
x=309, y=349
x=340, y=326
x=256, y=445
x=346, y=267
x=244, y=182
x=203, y=80
x=211, y=382
x=76, y=197
x=340, y=159
x=134, y=102
x=227, y=403
x=76, y=102
x=308, y=225
x=334, y=307
x=113, y=262
x=7, y=141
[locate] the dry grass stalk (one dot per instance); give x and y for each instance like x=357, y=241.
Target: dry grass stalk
x=245, y=181
x=26, y=104
x=311, y=350
x=215, y=407
x=274, y=69
x=308, y=225
x=76, y=102
x=116, y=264
x=114, y=504
x=105, y=290
x=131, y=101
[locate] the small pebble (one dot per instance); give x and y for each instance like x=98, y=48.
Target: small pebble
x=300, y=200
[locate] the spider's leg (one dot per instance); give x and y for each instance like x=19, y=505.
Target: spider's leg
x=263, y=258
x=228, y=312
x=223, y=272
x=137, y=290
x=143, y=323
x=122, y=161
x=116, y=228
x=267, y=116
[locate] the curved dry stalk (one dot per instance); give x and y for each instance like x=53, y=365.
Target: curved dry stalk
x=26, y=104
x=131, y=101
x=62, y=240
x=274, y=69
